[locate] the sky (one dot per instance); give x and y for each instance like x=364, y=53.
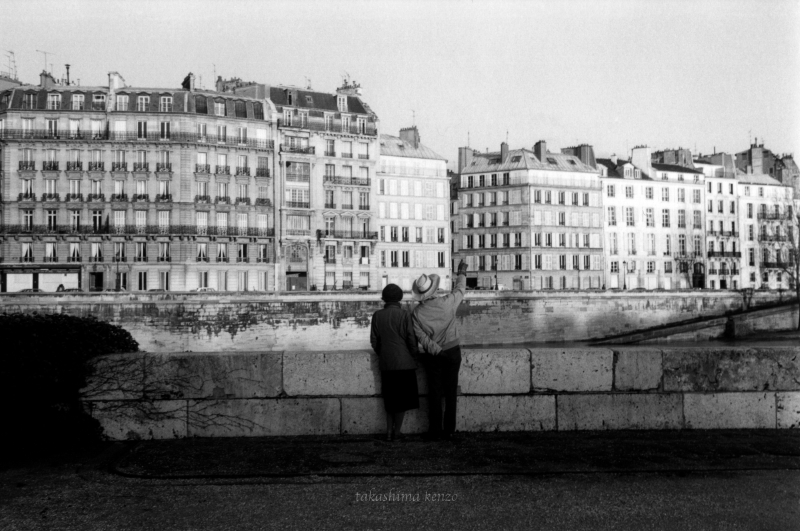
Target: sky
x=704, y=75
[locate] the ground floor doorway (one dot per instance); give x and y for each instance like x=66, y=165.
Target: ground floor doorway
x=95, y=281
x=296, y=282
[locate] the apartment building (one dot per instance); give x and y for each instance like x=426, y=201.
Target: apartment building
x=724, y=236
x=135, y=188
x=327, y=165
x=653, y=223
x=759, y=160
x=529, y=219
x=766, y=209
x=413, y=201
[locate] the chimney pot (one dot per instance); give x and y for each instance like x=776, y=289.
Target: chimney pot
x=503, y=152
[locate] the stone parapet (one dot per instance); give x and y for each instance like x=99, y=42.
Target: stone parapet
x=169, y=395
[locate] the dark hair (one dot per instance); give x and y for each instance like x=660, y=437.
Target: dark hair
x=392, y=293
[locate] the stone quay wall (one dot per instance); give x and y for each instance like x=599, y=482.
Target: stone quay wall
x=316, y=321
x=227, y=394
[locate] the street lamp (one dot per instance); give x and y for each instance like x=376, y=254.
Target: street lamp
x=624, y=274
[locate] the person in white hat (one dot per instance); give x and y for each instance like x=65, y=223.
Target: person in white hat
x=436, y=327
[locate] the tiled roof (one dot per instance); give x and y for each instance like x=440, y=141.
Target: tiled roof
x=393, y=146
x=307, y=99
x=674, y=168
x=524, y=159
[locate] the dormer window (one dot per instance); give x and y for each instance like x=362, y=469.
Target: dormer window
x=345, y=124
x=341, y=102
x=309, y=101
x=53, y=101
x=637, y=174
x=219, y=108
x=166, y=104
x=99, y=102
x=77, y=102
x=142, y=102
x=287, y=117
x=290, y=98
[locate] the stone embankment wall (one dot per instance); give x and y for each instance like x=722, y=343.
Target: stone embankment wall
x=211, y=322
x=226, y=394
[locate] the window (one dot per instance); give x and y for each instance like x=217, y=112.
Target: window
x=650, y=216
x=648, y=192
x=629, y=221
x=122, y=102
x=341, y=103
x=629, y=191
x=53, y=102
x=165, y=104
x=696, y=196
x=681, y=219
x=219, y=108
x=164, y=130
x=142, y=103
x=665, y=194
x=610, y=190
x=665, y=217
x=141, y=130
x=77, y=102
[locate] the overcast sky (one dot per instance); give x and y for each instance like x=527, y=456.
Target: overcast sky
x=614, y=74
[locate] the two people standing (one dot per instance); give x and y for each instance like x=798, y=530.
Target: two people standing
x=433, y=325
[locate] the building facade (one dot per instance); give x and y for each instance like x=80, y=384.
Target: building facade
x=766, y=210
x=653, y=223
x=413, y=202
x=328, y=158
x=118, y=187
x=529, y=219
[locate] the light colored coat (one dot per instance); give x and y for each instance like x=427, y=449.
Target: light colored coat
x=435, y=319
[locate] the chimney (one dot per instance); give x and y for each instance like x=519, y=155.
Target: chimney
x=540, y=150
x=67, y=74
x=188, y=83
x=642, y=159
x=465, y=155
x=503, y=152
x=46, y=80
x=220, y=84
x=115, y=81
x=614, y=158
x=410, y=135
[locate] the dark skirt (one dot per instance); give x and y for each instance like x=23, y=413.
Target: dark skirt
x=399, y=389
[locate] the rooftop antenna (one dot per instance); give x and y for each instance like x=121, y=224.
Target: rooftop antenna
x=12, y=65
x=45, y=58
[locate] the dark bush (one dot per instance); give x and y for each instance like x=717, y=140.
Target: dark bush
x=44, y=367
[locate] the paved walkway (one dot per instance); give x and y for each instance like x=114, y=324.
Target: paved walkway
x=581, y=480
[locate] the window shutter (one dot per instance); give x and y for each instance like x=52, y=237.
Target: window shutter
x=595, y=220
x=537, y=217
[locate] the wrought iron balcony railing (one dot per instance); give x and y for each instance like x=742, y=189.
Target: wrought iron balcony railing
x=263, y=201
x=26, y=197
x=119, y=197
x=50, y=165
x=75, y=197
x=308, y=150
x=724, y=254
x=163, y=198
x=349, y=234
x=96, y=197
x=243, y=170
x=97, y=166
x=51, y=197
x=74, y=166
x=348, y=181
x=141, y=166
x=202, y=168
x=202, y=199
x=144, y=198
x=163, y=166
x=27, y=165
x=223, y=170
x=262, y=172
x=223, y=199
x=297, y=204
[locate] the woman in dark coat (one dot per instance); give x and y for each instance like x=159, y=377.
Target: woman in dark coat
x=392, y=337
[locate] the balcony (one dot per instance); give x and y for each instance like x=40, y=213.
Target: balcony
x=163, y=198
x=226, y=199
x=202, y=199
x=141, y=166
x=119, y=197
x=350, y=234
x=96, y=197
x=330, y=153
x=263, y=201
x=309, y=150
x=348, y=181
x=347, y=207
x=775, y=265
x=119, y=166
x=774, y=238
x=242, y=200
x=202, y=168
x=50, y=165
x=330, y=205
x=298, y=204
x=95, y=258
x=166, y=258
x=330, y=260
x=773, y=216
x=75, y=197
x=222, y=259
x=346, y=155
x=28, y=196
x=27, y=165
x=119, y=259
x=51, y=197
x=223, y=170
x=298, y=232
x=141, y=258
x=242, y=259
x=96, y=166
x=202, y=258
x=163, y=167
x=143, y=198
x=261, y=232
x=262, y=172
x=726, y=254
x=713, y=271
x=243, y=170
x=74, y=259
x=74, y=166
x=361, y=156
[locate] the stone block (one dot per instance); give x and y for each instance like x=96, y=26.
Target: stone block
x=258, y=417
x=788, y=405
x=732, y=369
x=217, y=375
x=335, y=373
x=495, y=371
x=637, y=369
x=506, y=413
x=572, y=369
x=115, y=377
x=729, y=410
x=619, y=412
x=126, y=420
x=366, y=416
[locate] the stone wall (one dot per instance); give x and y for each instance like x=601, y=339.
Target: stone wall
x=168, y=395
x=197, y=322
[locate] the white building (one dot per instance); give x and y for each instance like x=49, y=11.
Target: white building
x=413, y=203
x=653, y=223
